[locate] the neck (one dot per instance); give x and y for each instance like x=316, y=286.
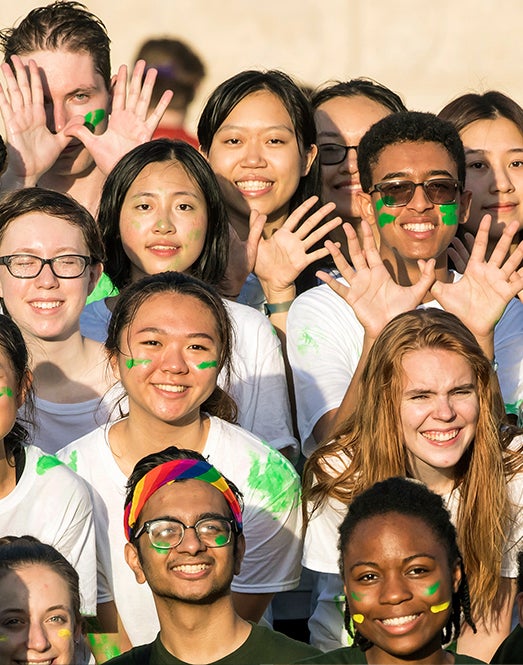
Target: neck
x=200, y=633
x=440, y=481
x=405, y=272
x=432, y=654
x=240, y=224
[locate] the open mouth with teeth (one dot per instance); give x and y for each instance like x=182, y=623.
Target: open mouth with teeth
x=421, y=227
x=440, y=437
x=46, y=304
x=399, y=621
x=169, y=388
x=253, y=185
x=191, y=568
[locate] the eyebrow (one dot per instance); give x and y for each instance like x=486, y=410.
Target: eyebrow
x=408, y=559
x=181, y=193
x=201, y=516
x=330, y=134
x=285, y=128
x=480, y=151
x=421, y=391
x=159, y=331
x=61, y=251
x=401, y=175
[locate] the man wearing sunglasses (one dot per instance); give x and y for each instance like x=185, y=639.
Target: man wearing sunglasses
x=412, y=172
x=183, y=523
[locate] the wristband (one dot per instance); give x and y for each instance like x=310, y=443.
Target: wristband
x=277, y=308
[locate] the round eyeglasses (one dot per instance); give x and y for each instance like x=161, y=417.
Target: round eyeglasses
x=166, y=533
x=334, y=153
x=398, y=193
x=27, y=266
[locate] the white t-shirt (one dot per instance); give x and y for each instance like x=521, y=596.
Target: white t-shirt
x=324, y=344
x=320, y=553
x=52, y=504
x=258, y=382
x=272, y=516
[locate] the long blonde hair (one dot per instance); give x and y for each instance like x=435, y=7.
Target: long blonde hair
x=372, y=443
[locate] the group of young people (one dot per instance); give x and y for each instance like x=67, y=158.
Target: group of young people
x=332, y=279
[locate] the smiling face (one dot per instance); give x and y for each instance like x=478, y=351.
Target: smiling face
x=399, y=587
x=344, y=120
x=169, y=359
x=46, y=306
x=421, y=229
x=71, y=87
x=189, y=572
x=439, y=411
x=36, y=617
x=11, y=395
x=494, y=158
x=163, y=221
x=257, y=159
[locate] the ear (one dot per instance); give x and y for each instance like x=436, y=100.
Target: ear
x=115, y=367
x=95, y=272
x=240, y=552
x=25, y=385
x=367, y=210
x=456, y=576
x=133, y=561
x=308, y=159
x=464, y=206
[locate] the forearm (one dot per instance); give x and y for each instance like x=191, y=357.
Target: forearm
x=251, y=606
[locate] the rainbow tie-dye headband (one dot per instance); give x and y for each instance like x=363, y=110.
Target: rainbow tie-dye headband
x=180, y=469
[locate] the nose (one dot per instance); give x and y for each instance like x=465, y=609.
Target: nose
x=444, y=409
x=47, y=279
x=394, y=589
x=420, y=201
x=501, y=181
x=37, y=637
x=190, y=542
x=173, y=360
x=352, y=160
x=253, y=154
x=56, y=117
x=165, y=223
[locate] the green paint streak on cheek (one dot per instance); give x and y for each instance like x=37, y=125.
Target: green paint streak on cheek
x=355, y=596
x=449, y=214
x=93, y=118
x=207, y=365
x=269, y=479
x=384, y=218
x=134, y=362
x=161, y=548
x=47, y=462
x=6, y=390
x=431, y=590
x=194, y=235
x=220, y=540
x=3, y=638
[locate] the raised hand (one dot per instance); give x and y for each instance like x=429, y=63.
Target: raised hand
x=481, y=295
x=284, y=255
x=372, y=292
x=31, y=148
x=129, y=123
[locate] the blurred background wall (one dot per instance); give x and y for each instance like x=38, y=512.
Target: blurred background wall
x=429, y=51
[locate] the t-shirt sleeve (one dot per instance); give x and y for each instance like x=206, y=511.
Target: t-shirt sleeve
x=272, y=519
x=324, y=343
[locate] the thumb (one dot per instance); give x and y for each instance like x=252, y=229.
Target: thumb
x=256, y=224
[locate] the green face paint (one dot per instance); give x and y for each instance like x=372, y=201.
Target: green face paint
x=429, y=591
x=358, y=618
x=161, y=548
x=93, y=118
x=449, y=214
x=356, y=596
x=220, y=540
x=275, y=481
x=435, y=609
x=101, y=641
x=383, y=217
x=207, y=365
x=134, y=362
x=3, y=638
x=6, y=390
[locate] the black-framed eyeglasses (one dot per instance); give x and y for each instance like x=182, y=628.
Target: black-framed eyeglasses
x=166, y=533
x=334, y=153
x=27, y=266
x=397, y=193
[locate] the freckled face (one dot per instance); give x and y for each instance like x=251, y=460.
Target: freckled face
x=37, y=622
x=494, y=158
x=396, y=575
x=168, y=360
x=163, y=221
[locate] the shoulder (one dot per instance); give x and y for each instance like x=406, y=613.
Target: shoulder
x=343, y=655
x=276, y=647
x=245, y=315
x=136, y=656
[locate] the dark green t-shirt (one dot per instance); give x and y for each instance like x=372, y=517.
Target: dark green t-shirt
x=511, y=649
x=355, y=656
x=262, y=646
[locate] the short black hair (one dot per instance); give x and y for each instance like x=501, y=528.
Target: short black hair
x=359, y=87
x=412, y=498
x=408, y=127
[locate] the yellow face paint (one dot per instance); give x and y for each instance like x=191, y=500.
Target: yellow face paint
x=64, y=632
x=358, y=618
x=440, y=608
x=3, y=638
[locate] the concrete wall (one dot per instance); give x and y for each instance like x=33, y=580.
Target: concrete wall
x=429, y=51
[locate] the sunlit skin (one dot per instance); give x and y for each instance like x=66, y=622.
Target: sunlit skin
x=71, y=87
x=258, y=161
x=344, y=120
x=439, y=413
x=389, y=563
x=494, y=158
x=415, y=231
x=46, y=306
x=37, y=622
x=163, y=220
x=176, y=333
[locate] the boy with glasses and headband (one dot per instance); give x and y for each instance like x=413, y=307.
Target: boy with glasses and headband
x=183, y=523
x=412, y=173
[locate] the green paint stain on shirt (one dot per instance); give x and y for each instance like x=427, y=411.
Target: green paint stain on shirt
x=271, y=480
x=431, y=590
x=134, y=362
x=449, y=213
x=221, y=540
x=384, y=218
x=102, y=642
x=6, y=390
x=207, y=364
x=306, y=342
x=47, y=462
x=73, y=460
